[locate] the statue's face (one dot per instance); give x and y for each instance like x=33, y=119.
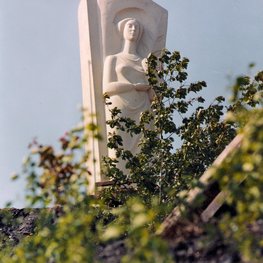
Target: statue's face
x=131, y=30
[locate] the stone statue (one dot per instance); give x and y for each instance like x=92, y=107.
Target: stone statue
x=124, y=81
x=115, y=38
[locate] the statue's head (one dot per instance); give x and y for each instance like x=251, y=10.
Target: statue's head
x=130, y=29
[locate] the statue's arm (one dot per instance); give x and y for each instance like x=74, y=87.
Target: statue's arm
x=111, y=86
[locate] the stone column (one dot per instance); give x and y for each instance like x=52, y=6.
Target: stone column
x=91, y=73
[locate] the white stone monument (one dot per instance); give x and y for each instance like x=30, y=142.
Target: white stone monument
x=115, y=38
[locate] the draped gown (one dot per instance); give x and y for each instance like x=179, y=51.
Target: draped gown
x=131, y=103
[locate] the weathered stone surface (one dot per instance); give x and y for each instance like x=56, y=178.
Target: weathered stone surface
x=15, y=224
x=112, y=253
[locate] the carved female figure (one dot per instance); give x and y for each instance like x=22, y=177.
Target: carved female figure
x=125, y=82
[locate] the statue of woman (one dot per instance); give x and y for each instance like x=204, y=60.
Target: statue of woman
x=125, y=82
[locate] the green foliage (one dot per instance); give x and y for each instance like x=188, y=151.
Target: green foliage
x=241, y=176
x=179, y=117
x=138, y=223
x=70, y=239
x=136, y=204
x=60, y=179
